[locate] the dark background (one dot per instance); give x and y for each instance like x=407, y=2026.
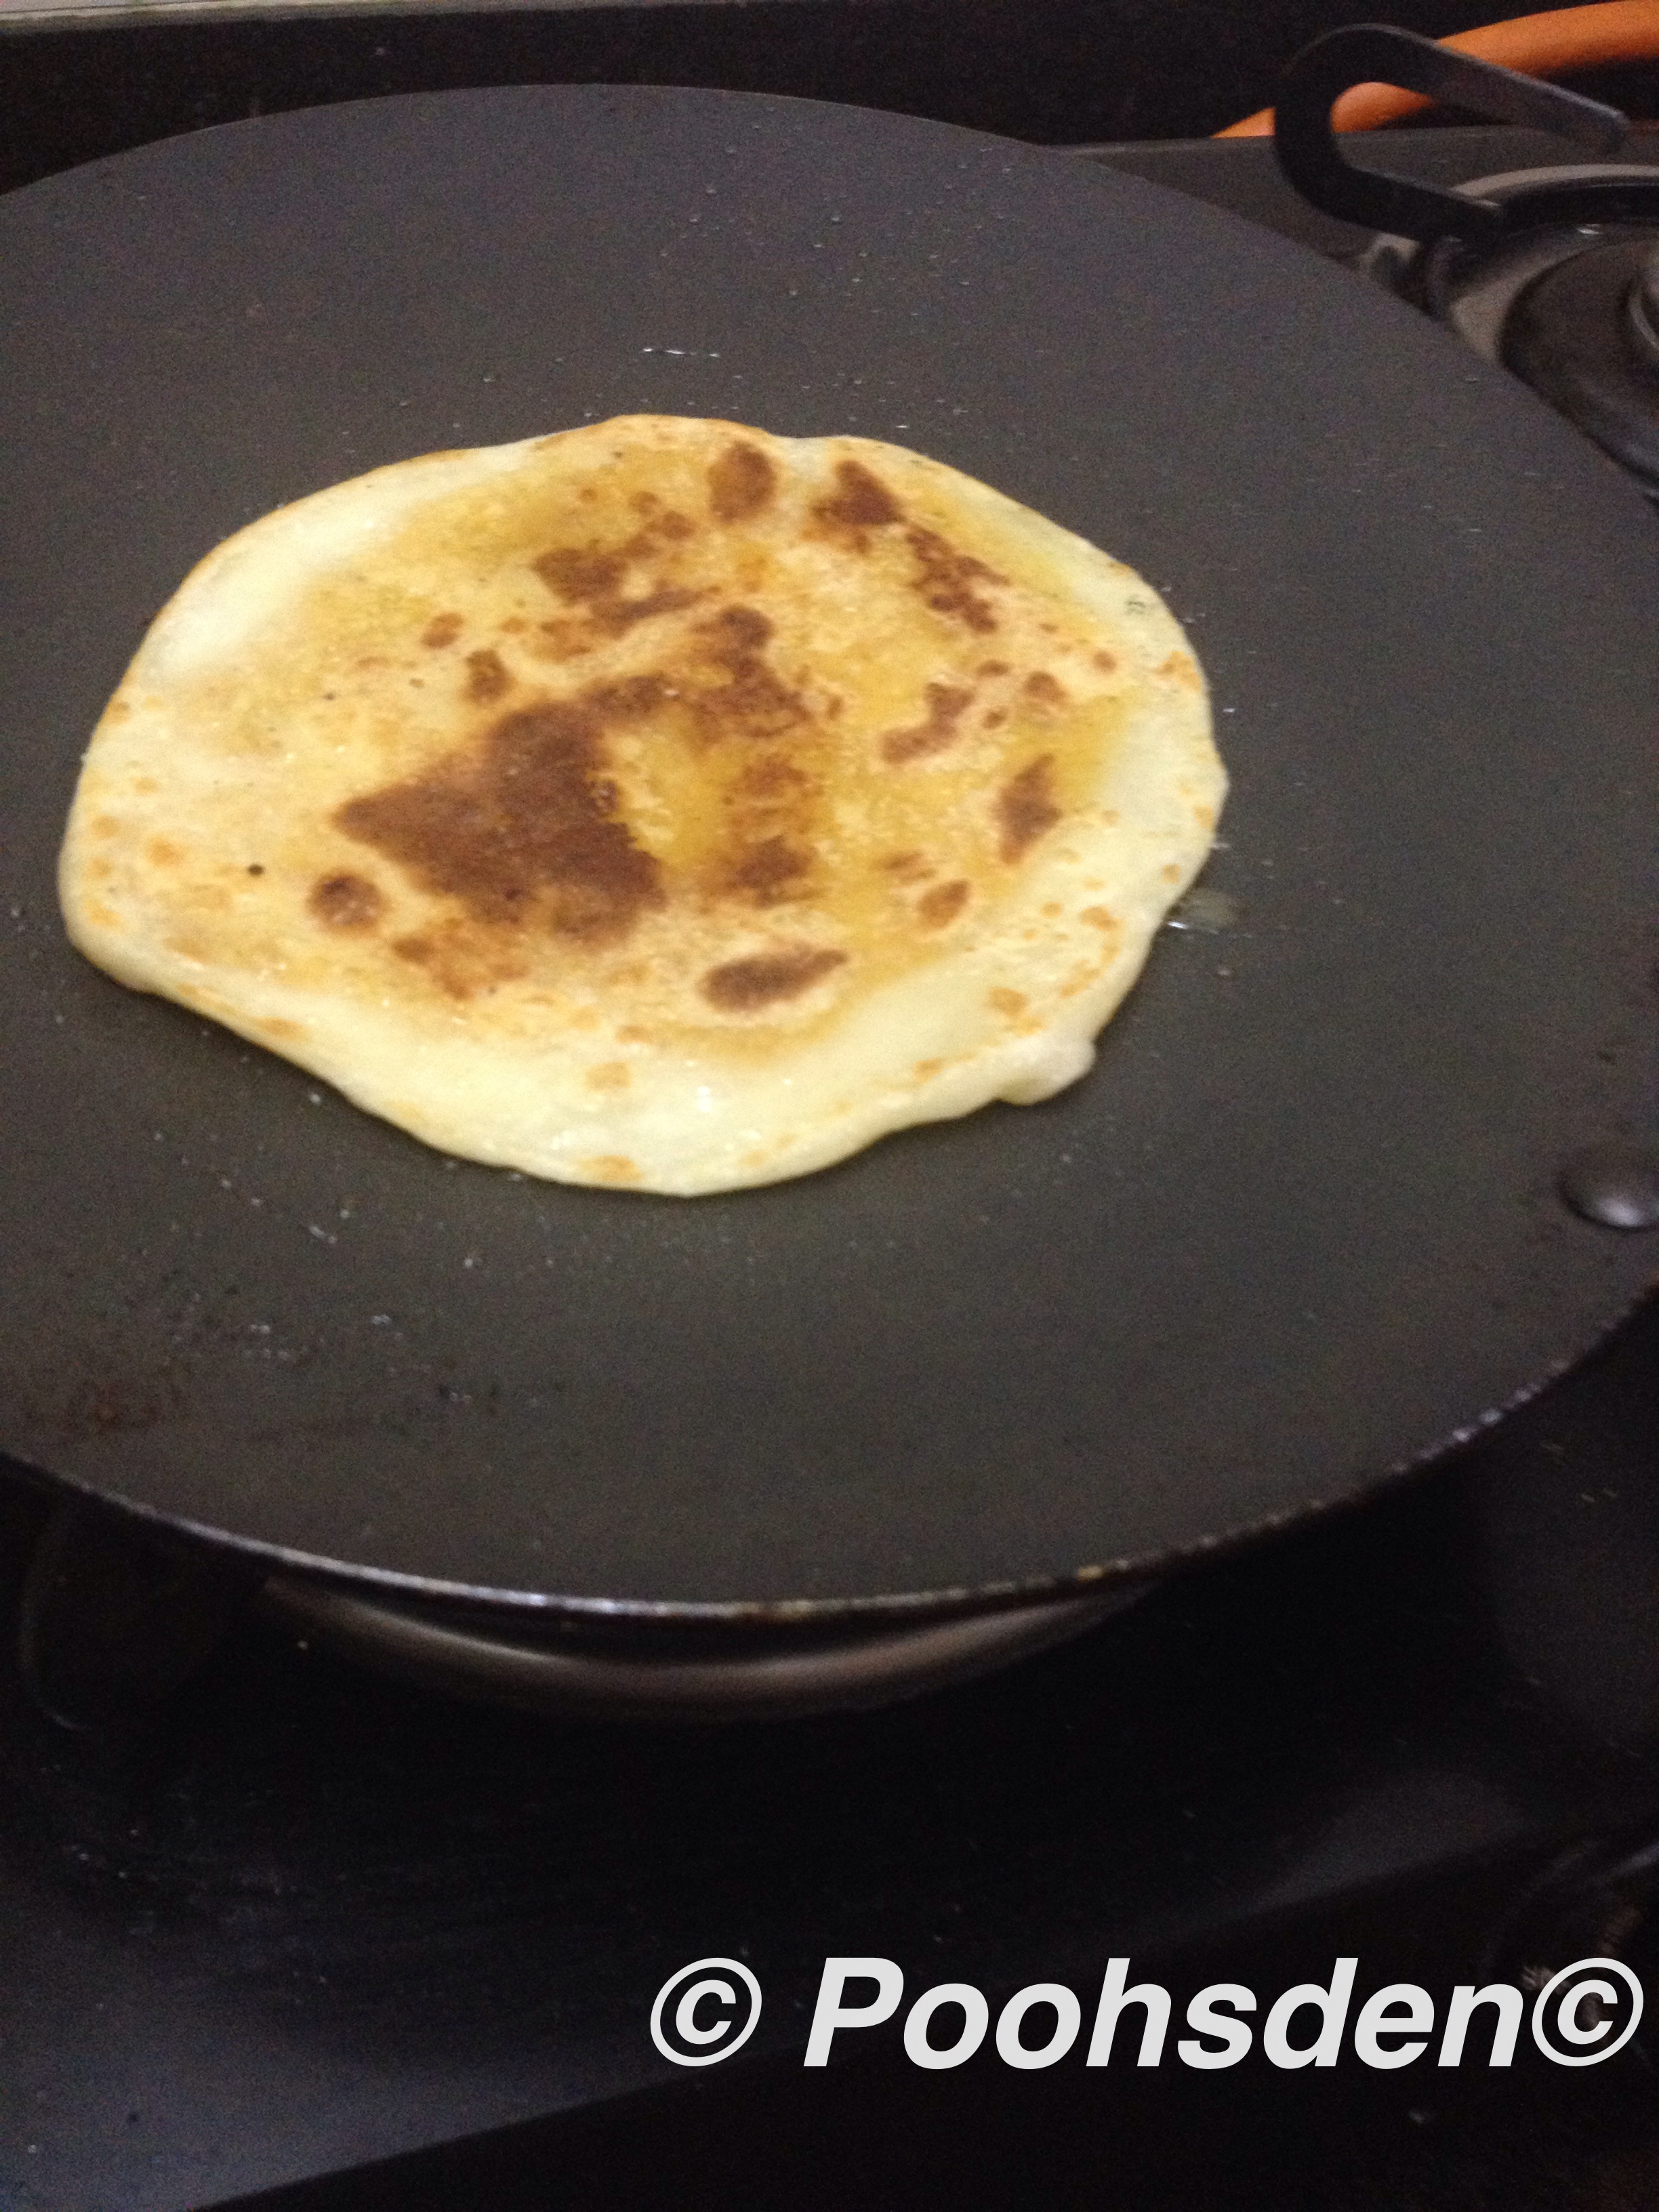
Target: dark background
x=1056, y=71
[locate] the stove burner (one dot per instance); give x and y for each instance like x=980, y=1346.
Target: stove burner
x=1572, y=307
x=1582, y=334
x=1553, y=273
x=628, y=1671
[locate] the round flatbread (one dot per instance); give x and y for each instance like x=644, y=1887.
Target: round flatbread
x=660, y=804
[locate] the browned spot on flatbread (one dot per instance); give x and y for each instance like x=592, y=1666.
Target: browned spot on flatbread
x=739, y=986
x=945, y=578
x=861, y=500
x=487, y=678
x=524, y=830
x=611, y=1167
x=460, y=960
x=909, y=867
x=752, y=701
x=591, y=577
x=628, y=701
x=441, y=630
x=1043, y=689
x=740, y=483
x=771, y=778
x=1026, y=807
x=946, y=704
x=347, y=902
x=577, y=573
x=942, y=904
x=772, y=871
x=614, y=617
x=770, y=824
x=1107, y=661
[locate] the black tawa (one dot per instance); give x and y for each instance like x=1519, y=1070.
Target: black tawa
x=1301, y=1228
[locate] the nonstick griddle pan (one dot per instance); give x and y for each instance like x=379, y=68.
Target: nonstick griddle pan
x=1299, y=1230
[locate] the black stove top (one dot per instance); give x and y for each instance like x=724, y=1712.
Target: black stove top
x=296, y=1921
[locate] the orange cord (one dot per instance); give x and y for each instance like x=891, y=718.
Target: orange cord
x=1551, y=44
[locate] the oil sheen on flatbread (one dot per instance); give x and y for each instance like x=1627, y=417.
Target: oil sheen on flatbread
x=661, y=804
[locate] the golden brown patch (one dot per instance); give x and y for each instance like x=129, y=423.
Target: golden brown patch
x=1181, y=668
x=1106, y=661
x=907, y=868
x=610, y=1075
x=459, y=960
x=768, y=817
x=612, y=1168
x=946, y=704
x=486, y=677
x=945, y=577
x=441, y=630
x=1009, y=1002
x=279, y=1031
x=346, y=903
x=1098, y=917
x=591, y=577
x=163, y=853
x=861, y=500
x=1026, y=807
x=524, y=830
x=752, y=702
x=742, y=986
x=1043, y=689
x=772, y=871
x=740, y=483
x=942, y=904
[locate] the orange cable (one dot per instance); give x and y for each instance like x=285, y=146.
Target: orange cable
x=1551, y=44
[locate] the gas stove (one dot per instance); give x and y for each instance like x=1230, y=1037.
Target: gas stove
x=278, y=1924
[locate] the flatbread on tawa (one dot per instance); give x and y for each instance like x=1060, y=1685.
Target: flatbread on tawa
x=660, y=804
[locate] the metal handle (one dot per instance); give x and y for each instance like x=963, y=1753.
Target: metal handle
x=1363, y=53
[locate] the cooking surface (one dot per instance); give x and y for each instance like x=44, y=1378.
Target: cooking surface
x=348, y=1921
x=1320, y=1143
